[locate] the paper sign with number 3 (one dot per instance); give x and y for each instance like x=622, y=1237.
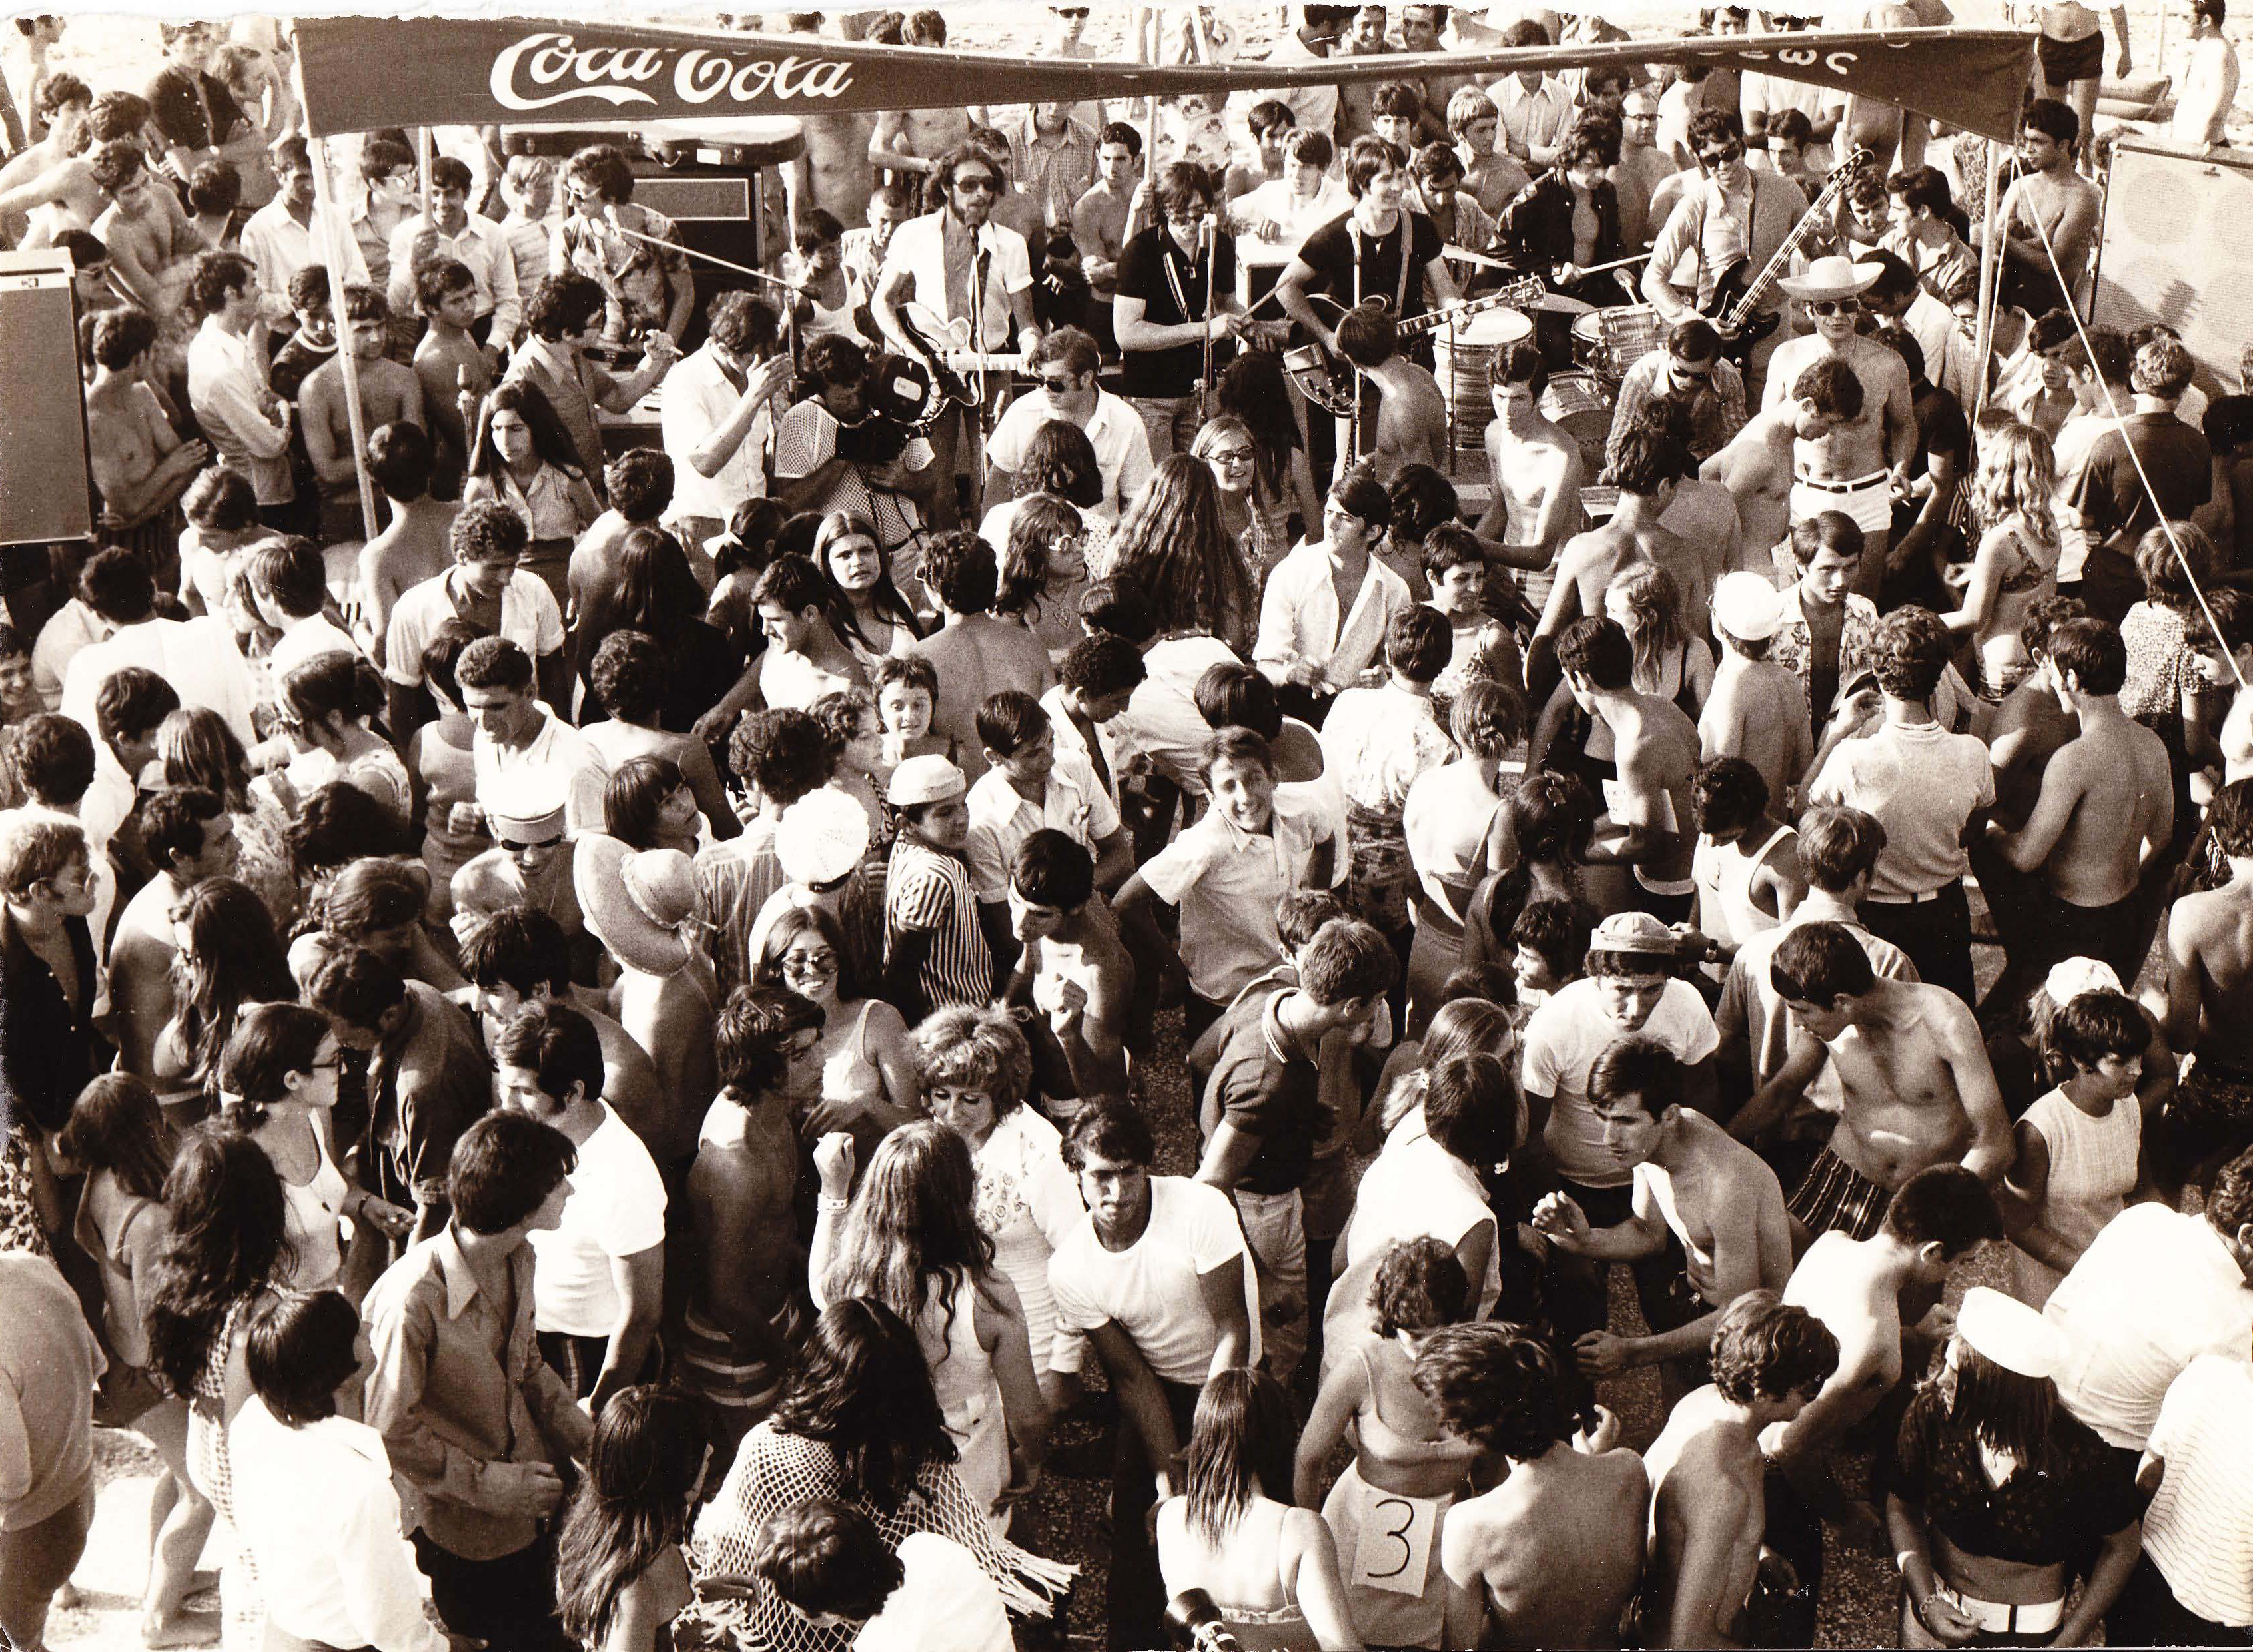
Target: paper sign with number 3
x=1395, y=1550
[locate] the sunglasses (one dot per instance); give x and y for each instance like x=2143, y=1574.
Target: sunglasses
x=1058, y=384
x=526, y=848
x=1833, y=306
x=1232, y=456
x=986, y=185
x=1723, y=155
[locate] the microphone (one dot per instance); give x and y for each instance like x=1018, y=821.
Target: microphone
x=1208, y=228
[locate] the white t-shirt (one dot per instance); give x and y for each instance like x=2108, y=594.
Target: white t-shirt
x=615, y=1208
x=1122, y=442
x=1149, y=1290
x=529, y=619
x=1562, y=1043
x=1226, y=882
x=945, y=1603
x=2198, y=1530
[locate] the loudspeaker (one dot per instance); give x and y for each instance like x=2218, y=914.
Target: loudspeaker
x=2177, y=241
x=47, y=492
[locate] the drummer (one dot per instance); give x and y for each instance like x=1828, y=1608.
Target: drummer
x=1731, y=216
x=1688, y=368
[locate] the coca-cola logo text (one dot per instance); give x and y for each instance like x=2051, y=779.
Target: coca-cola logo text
x=542, y=71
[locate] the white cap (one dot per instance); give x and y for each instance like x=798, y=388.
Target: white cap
x=1746, y=607
x=2070, y=979
x=2006, y=1331
x=928, y=779
x=821, y=837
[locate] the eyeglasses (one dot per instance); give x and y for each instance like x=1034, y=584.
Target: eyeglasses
x=1732, y=151
x=1186, y=214
x=1232, y=455
x=1058, y=384
x=1832, y=306
x=810, y=962
x=981, y=185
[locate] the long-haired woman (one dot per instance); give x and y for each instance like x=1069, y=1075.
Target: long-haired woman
x=523, y=457
x=228, y=957
x=1253, y=512
x=1400, y=1449
x=119, y=1142
x=621, y=1577
x=630, y=678
x=656, y=594
x=909, y=1239
x=1449, y=823
x=229, y=1248
x=277, y=1085
x=739, y=556
x=860, y=1422
x=863, y=1077
x=874, y=618
x=2016, y=563
x=324, y=707
x=1546, y=823
x=2000, y=1498
x=1269, y=1568
x=1059, y=459
x=1252, y=388
x=1171, y=542
x=196, y=748
x=1646, y=602
x=1044, y=571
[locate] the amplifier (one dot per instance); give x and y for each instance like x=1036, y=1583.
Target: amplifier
x=2176, y=243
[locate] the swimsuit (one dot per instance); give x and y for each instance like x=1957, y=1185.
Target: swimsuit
x=1835, y=1197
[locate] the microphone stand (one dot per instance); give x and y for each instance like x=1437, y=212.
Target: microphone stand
x=1208, y=236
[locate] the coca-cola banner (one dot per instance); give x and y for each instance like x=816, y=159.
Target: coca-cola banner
x=369, y=72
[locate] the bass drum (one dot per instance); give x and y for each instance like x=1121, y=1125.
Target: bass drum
x=1462, y=357
x=1576, y=404
x=1608, y=342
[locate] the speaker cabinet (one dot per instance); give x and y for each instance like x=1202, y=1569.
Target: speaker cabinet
x=2176, y=245
x=46, y=493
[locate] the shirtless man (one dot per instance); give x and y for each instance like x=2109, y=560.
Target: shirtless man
x=1861, y=463
x=1073, y=970
x=1411, y=414
x=1574, y=1508
x=2209, y=1007
x=1708, y=1503
x=1756, y=466
x=151, y=243
x=2105, y=812
x=833, y=174
x=1691, y=1180
x=2069, y=60
x=139, y=462
x=747, y=1303
x=1756, y=708
x=976, y=655
x=917, y=140
x=1644, y=820
x=67, y=101
x=2048, y=197
x=1643, y=467
x=1870, y=1293
x=1535, y=468
x=416, y=545
x=390, y=393
x=1912, y=1071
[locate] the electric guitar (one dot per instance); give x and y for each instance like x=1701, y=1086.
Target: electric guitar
x=1734, y=309
x=1329, y=380
x=945, y=347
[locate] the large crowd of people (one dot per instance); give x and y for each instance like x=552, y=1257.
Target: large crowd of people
x=1511, y=677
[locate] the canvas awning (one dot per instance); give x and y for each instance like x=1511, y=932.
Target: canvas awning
x=367, y=72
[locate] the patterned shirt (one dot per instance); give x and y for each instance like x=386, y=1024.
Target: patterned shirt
x=930, y=892
x=639, y=279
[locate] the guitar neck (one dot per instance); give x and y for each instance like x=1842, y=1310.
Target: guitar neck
x=972, y=361
x=1517, y=293
x=1759, y=289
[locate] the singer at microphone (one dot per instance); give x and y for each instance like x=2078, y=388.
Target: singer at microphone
x=1177, y=296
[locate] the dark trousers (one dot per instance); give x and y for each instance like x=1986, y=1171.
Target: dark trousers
x=1936, y=935
x=2147, y=1614
x=508, y=1603
x=1138, y=1591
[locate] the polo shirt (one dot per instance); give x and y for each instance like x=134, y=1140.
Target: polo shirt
x=1121, y=440
x=1226, y=882
x=919, y=247
x=1001, y=819
x=529, y=619
x=1267, y=1090
x=2153, y=1290
x=1922, y=783
x=1154, y=269
x=616, y=1209
x=698, y=398
x=2198, y=1530
x=2114, y=509
x=555, y=745
x=1150, y=1290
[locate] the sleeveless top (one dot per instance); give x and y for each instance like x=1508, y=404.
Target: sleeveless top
x=1280, y=1628
x=2092, y=1171
x=107, y=1214
x=969, y=1394
x=1725, y=908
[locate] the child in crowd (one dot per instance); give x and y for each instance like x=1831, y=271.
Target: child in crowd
x=849, y=717
x=455, y=371
x=935, y=954
x=907, y=692
x=315, y=342
x=19, y=696
x=1481, y=650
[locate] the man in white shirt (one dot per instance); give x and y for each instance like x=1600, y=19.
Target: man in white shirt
x=1160, y=1280
x=717, y=416
x=515, y=732
x=1313, y=109
x=486, y=591
x=954, y=263
x=598, y=1282
x=197, y=656
x=2154, y=1290
x=292, y=231
x=1028, y=784
x=1533, y=106
x=246, y=422
x=2192, y=1586
x=1312, y=641
x=1065, y=363
x=314, y=1501
x=478, y=244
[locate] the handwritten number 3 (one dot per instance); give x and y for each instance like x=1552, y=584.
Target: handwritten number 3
x=1398, y=1534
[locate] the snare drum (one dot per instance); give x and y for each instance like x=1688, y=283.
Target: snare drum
x=1462, y=355
x=1576, y=403
x=1608, y=342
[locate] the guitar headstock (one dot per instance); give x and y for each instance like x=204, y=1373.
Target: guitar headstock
x=1858, y=158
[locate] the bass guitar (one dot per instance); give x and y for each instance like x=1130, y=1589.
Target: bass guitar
x=1735, y=308
x=1329, y=380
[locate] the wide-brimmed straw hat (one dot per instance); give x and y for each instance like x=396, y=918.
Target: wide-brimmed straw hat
x=639, y=903
x=1833, y=277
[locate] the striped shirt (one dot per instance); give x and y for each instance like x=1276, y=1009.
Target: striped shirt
x=2198, y=1530
x=929, y=891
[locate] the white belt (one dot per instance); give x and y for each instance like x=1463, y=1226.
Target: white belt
x=1993, y=1617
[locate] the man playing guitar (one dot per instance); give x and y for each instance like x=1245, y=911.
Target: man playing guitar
x=1733, y=219
x=957, y=263
x=1378, y=250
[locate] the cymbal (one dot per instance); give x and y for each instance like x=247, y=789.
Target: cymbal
x=1561, y=303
